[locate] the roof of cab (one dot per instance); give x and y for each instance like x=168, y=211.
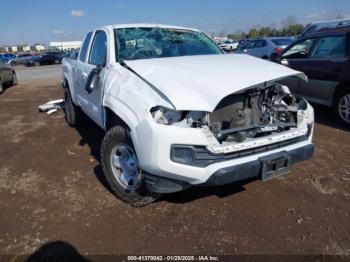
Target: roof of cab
x=145, y=25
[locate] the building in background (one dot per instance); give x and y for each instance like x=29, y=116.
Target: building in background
x=23, y=48
x=65, y=46
x=37, y=47
x=13, y=49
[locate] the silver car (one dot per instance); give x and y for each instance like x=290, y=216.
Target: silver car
x=22, y=59
x=7, y=75
x=265, y=47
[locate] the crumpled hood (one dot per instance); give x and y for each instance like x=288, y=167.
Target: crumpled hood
x=199, y=83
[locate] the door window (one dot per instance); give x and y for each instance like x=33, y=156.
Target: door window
x=299, y=50
x=98, y=53
x=251, y=45
x=85, y=47
x=329, y=47
x=260, y=44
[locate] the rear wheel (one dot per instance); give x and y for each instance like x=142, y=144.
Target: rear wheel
x=56, y=61
x=342, y=106
x=71, y=111
x=36, y=63
x=13, y=63
x=121, y=169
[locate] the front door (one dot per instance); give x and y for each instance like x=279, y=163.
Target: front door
x=92, y=101
x=295, y=57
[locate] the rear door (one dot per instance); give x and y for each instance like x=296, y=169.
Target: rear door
x=92, y=102
x=295, y=57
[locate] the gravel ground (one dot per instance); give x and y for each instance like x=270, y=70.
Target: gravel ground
x=52, y=189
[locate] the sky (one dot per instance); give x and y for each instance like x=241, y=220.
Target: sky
x=42, y=21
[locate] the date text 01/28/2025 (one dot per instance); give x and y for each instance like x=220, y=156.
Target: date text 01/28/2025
x=172, y=258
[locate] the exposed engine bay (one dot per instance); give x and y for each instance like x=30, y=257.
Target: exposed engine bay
x=239, y=117
x=255, y=113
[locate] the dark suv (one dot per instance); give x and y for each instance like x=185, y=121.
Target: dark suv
x=47, y=58
x=324, y=58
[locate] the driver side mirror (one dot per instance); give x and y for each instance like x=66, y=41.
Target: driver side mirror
x=93, y=79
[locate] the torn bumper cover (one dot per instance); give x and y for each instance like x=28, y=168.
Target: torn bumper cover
x=201, y=157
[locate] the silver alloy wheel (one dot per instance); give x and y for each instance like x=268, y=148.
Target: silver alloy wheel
x=125, y=167
x=344, y=108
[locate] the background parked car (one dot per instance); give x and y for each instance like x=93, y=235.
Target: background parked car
x=47, y=58
x=324, y=58
x=243, y=42
x=229, y=45
x=7, y=75
x=22, y=59
x=265, y=47
x=74, y=54
x=9, y=58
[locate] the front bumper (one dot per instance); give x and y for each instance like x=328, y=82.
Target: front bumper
x=153, y=143
x=227, y=175
x=253, y=169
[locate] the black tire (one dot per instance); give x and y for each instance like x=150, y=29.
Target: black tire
x=136, y=197
x=13, y=63
x=1, y=87
x=71, y=111
x=340, y=94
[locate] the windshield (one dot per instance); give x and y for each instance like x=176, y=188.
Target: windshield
x=147, y=43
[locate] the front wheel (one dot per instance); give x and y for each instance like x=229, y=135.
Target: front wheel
x=342, y=106
x=121, y=169
x=1, y=88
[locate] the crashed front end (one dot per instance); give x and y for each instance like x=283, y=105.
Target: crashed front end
x=231, y=142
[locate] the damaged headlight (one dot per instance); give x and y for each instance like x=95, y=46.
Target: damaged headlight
x=166, y=116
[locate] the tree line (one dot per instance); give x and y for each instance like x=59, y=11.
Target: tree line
x=290, y=30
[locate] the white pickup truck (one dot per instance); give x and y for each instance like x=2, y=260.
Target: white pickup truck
x=178, y=112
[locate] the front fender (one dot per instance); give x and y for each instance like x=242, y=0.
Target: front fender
x=122, y=110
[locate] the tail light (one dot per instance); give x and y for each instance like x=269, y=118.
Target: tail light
x=278, y=50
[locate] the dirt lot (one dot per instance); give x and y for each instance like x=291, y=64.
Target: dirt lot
x=52, y=189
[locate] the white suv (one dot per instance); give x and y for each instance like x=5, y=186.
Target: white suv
x=178, y=112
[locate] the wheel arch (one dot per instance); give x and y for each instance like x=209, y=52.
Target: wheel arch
x=113, y=119
x=341, y=86
x=66, y=85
